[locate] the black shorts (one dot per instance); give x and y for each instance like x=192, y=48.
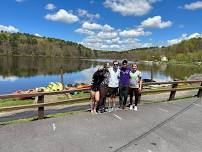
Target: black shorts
x=95, y=89
x=112, y=92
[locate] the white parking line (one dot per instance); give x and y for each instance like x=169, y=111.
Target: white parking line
x=54, y=127
x=164, y=110
x=197, y=105
x=117, y=117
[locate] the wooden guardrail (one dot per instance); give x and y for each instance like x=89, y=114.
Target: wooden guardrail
x=40, y=102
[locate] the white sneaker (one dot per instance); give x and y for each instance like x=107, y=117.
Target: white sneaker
x=131, y=107
x=135, y=108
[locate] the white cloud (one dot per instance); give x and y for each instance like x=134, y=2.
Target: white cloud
x=107, y=27
x=193, y=6
x=84, y=31
x=84, y=13
x=9, y=28
x=50, y=6
x=62, y=16
x=155, y=22
x=114, y=41
x=107, y=35
x=38, y=35
x=194, y=35
x=95, y=26
x=114, y=44
x=11, y=78
x=19, y=1
x=91, y=26
x=93, y=39
x=130, y=7
x=134, y=33
x=183, y=37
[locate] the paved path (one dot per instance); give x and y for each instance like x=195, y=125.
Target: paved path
x=162, y=127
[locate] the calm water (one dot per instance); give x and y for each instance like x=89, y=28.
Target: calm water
x=18, y=73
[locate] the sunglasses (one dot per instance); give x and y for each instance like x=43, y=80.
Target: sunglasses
x=116, y=64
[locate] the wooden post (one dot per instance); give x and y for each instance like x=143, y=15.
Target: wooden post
x=152, y=73
x=199, y=94
x=172, y=93
x=62, y=79
x=40, y=109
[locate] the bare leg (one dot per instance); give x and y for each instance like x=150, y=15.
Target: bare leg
x=114, y=103
x=92, y=101
x=95, y=105
x=97, y=98
x=110, y=101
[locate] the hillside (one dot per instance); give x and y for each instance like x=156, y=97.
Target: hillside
x=187, y=50
x=22, y=44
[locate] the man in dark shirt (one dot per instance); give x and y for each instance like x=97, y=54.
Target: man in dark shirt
x=124, y=84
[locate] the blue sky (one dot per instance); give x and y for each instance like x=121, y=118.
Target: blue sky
x=105, y=24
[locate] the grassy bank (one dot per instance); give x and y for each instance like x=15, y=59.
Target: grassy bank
x=34, y=118
x=14, y=102
x=18, y=102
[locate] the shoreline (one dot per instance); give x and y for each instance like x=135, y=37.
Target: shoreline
x=199, y=63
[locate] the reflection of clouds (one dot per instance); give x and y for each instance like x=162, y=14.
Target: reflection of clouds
x=86, y=75
x=161, y=77
x=12, y=78
x=163, y=67
x=157, y=76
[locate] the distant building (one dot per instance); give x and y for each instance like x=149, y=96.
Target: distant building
x=164, y=58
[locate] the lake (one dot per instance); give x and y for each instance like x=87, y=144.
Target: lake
x=22, y=73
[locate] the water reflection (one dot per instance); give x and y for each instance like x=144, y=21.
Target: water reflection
x=32, y=66
x=17, y=73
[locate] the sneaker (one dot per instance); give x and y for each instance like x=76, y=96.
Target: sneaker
x=135, y=108
x=110, y=109
x=131, y=107
x=118, y=108
x=95, y=112
x=101, y=111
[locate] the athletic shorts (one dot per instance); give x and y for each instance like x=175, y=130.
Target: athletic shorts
x=95, y=89
x=112, y=91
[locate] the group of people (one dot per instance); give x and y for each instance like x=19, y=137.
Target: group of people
x=111, y=81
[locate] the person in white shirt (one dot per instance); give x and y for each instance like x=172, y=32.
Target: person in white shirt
x=135, y=86
x=114, y=74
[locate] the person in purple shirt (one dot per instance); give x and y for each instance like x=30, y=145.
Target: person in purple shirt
x=124, y=84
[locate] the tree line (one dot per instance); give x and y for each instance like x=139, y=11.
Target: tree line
x=185, y=51
x=23, y=44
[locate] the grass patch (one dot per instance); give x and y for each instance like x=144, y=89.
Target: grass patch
x=14, y=102
x=69, y=113
x=64, y=114
x=17, y=121
x=150, y=102
x=73, y=96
